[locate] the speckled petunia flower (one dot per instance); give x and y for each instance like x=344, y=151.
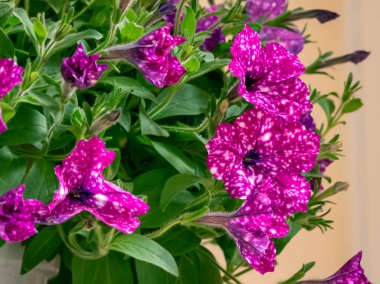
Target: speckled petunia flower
x=350, y=272
x=10, y=75
x=261, y=146
x=17, y=216
x=292, y=40
x=3, y=126
x=252, y=228
x=82, y=187
x=265, y=9
x=82, y=71
x=204, y=24
x=269, y=76
x=151, y=55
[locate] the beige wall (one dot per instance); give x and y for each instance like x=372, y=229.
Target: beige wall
x=355, y=214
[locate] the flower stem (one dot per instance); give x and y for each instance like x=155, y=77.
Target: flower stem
x=178, y=17
x=243, y=271
x=188, y=129
x=164, y=103
x=164, y=229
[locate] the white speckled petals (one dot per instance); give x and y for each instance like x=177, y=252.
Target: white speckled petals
x=292, y=40
x=266, y=9
x=10, y=75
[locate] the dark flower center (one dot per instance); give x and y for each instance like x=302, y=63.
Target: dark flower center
x=250, y=81
x=251, y=159
x=79, y=194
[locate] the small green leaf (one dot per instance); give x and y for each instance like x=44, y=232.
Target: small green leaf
x=39, y=30
x=12, y=169
x=328, y=106
x=352, y=105
x=192, y=64
x=6, y=46
x=7, y=111
x=280, y=244
x=28, y=25
x=299, y=274
x=174, y=157
x=142, y=248
x=29, y=122
x=149, y=127
x=189, y=22
x=131, y=32
x=180, y=241
x=40, y=248
x=5, y=12
x=56, y=5
x=175, y=185
x=148, y=273
x=41, y=188
x=72, y=39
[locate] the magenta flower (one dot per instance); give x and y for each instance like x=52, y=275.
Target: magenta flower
x=17, y=216
x=10, y=75
x=80, y=70
x=269, y=76
x=204, y=24
x=292, y=40
x=82, y=187
x=260, y=146
x=3, y=126
x=252, y=228
x=265, y=9
x=151, y=55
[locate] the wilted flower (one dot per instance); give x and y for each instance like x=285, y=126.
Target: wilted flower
x=82, y=187
x=265, y=9
x=3, y=126
x=82, y=71
x=10, y=75
x=252, y=228
x=261, y=146
x=350, y=272
x=151, y=55
x=204, y=24
x=17, y=216
x=269, y=76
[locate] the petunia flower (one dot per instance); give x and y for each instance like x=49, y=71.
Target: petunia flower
x=82, y=71
x=269, y=76
x=204, y=24
x=10, y=75
x=151, y=55
x=262, y=146
x=252, y=227
x=82, y=187
x=3, y=126
x=17, y=216
x=266, y=10
x=350, y=272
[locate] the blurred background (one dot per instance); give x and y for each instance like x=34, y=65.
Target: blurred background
x=357, y=211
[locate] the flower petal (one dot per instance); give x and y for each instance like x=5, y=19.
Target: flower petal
x=267, y=9
x=10, y=75
x=292, y=40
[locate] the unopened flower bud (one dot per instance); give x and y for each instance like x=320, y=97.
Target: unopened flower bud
x=105, y=122
x=323, y=16
x=163, y=10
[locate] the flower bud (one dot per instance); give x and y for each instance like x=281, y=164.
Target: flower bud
x=323, y=16
x=105, y=122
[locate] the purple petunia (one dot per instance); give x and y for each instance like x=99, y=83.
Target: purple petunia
x=308, y=121
x=252, y=228
x=204, y=24
x=10, y=75
x=17, y=216
x=82, y=71
x=269, y=76
x=3, y=126
x=292, y=40
x=151, y=55
x=261, y=146
x=82, y=187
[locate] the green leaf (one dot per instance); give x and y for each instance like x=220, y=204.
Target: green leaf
x=111, y=269
x=39, y=30
x=49, y=103
x=180, y=241
x=72, y=39
x=111, y=171
x=28, y=25
x=192, y=64
x=131, y=32
x=26, y=127
x=174, y=157
x=5, y=12
x=149, y=127
x=199, y=267
x=6, y=46
x=328, y=106
x=12, y=170
x=38, y=187
x=280, y=244
x=205, y=68
x=188, y=100
x=40, y=248
x=8, y=111
x=142, y=248
x=300, y=273
x=352, y=105
x=175, y=185
x=56, y=5
x=148, y=273
x=130, y=85
x=189, y=22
